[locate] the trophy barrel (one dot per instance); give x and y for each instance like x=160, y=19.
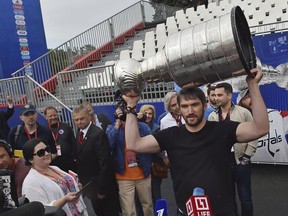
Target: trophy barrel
x=208, y=52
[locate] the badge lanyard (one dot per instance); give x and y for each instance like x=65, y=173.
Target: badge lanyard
x=28, y=134
x=55, y=136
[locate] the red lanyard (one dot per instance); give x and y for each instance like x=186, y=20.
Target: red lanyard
x=55, y=137
x=59, y=174
x=48, y=174
x=28, y=134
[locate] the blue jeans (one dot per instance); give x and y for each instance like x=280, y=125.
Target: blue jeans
x=241, y=179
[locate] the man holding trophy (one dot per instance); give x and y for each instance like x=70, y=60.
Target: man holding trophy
x=199, y=151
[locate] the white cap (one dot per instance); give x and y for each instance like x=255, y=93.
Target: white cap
x=241, y=95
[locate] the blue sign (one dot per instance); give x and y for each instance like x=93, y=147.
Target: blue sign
x=22, y=37
x=272, y=48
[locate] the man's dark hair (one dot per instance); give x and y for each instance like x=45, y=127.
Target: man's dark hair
x=210, y=88
x=7, y=147
x=227, y=87
x=49, y=108
x=191, y=93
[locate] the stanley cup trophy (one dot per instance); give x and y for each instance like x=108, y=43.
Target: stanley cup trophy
x=211, y=51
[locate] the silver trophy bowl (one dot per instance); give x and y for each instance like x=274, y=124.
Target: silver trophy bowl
x=208, y=52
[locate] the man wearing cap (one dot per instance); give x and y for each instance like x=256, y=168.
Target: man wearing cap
x=272, y=148
x=29, y=130
x=241, y=152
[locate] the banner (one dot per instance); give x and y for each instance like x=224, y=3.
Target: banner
x=8, y=189
x=273, y=148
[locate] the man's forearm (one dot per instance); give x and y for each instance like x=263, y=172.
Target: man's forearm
x=259, y=110
x=131, y=131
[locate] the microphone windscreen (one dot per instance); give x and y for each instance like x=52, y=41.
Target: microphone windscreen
x=33, y=208
x=161, y=207
x=198, y=191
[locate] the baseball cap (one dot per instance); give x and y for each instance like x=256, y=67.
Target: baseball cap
x=241, y=95
x=27, y=108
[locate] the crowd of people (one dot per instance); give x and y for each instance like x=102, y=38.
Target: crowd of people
x=51, y=165
x=112, y=163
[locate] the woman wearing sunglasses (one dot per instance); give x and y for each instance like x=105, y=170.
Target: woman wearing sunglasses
x=49, y=184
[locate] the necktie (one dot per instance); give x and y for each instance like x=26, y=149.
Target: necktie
x=81, y=137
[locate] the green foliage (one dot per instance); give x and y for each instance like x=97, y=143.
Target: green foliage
x=59, y=59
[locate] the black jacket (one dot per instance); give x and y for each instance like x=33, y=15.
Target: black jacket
x=93, y=158
x=4, y=127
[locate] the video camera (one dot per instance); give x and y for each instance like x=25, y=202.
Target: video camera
x=120, y=103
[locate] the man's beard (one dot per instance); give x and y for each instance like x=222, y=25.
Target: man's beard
x=199, y=119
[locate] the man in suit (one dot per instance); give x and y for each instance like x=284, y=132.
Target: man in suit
x=93, y=158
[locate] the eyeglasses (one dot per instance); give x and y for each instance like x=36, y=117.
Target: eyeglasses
x=41, y=152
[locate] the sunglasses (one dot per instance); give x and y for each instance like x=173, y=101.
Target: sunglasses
x=41, y=152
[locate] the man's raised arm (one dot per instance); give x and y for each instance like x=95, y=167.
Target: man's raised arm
x=248, y=131
x=146, y=144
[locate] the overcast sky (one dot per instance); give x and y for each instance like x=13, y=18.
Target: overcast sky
x=64, y=19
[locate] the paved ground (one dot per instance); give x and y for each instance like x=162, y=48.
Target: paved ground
x=269, y=186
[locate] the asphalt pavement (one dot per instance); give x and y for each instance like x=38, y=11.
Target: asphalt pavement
x=269, y=191
x=269, y=188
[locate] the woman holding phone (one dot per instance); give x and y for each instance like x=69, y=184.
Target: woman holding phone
x=49, y=184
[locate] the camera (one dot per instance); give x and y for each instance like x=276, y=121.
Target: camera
x=120, y=103
x=143, y=119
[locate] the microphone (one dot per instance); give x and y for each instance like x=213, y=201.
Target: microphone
x=198, y=204
x=161, y=208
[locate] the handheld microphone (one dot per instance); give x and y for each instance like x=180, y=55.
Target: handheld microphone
x=161, y=208
x=198, y=204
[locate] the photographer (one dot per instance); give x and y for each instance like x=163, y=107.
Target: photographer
x=132, y=170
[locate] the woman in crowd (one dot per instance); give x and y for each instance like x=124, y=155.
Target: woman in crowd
x=49, y=184
x=147, y=114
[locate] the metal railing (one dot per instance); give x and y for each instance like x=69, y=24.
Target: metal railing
x=88, y=46
x=93, y=84
x=77, y=52
x=96, y=85
x=15, y=87
x=60, y=78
